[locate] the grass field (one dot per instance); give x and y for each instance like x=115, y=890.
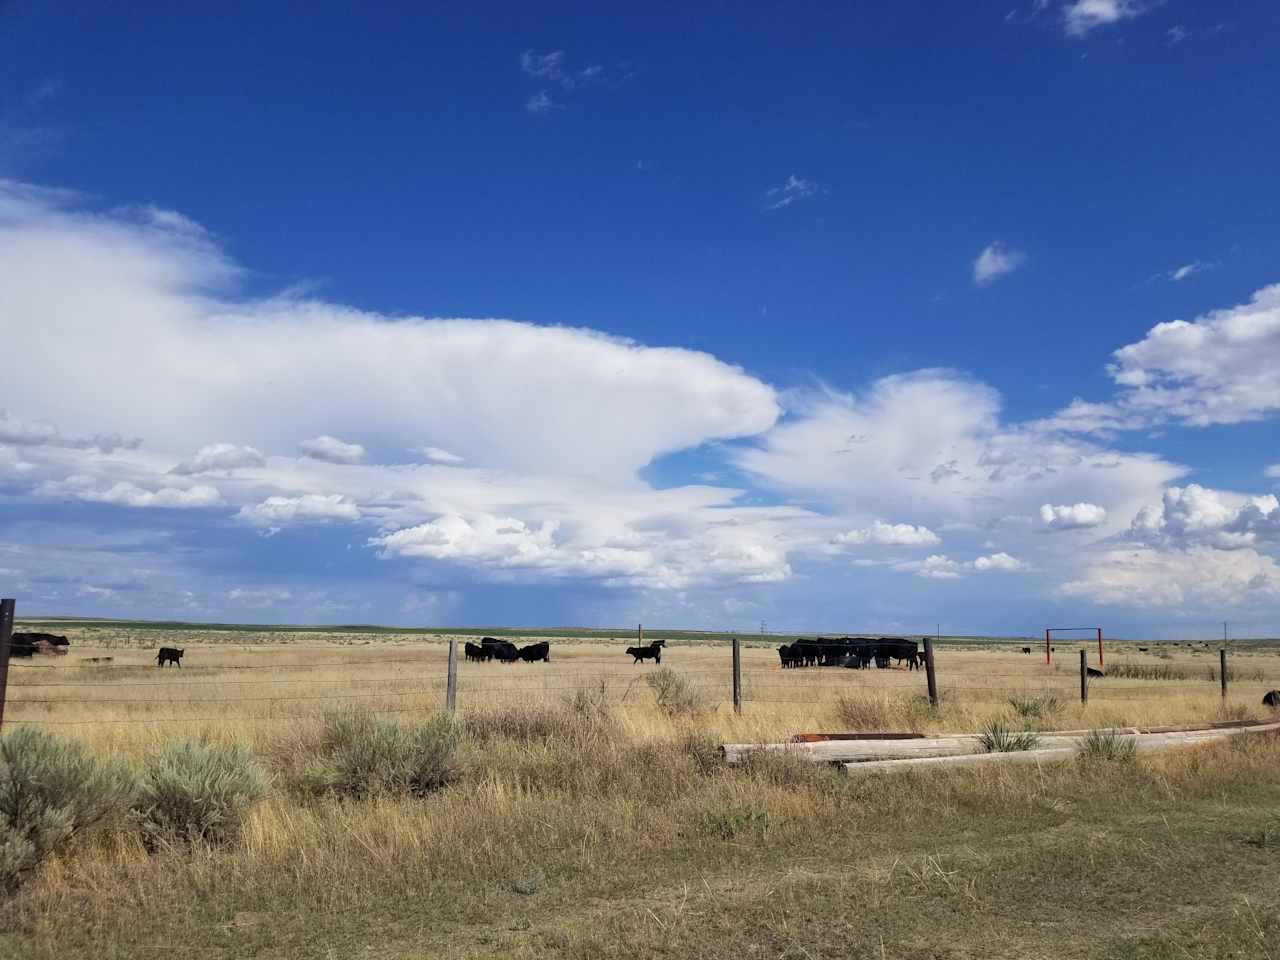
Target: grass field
x=617, y=832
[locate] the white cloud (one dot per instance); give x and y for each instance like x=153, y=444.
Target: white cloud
x=795, y=188
x=1189, y=269
x=1083, y=16
x=331, y=450
x=220, y=360
x=1000, y=562
x=220, y=456
x=130, y=495
x=1198, y=578
x=438, y=455
x=941, y=567
x=259, y=596
x=278, y=511
x=995, y=261
x=1199, y=515
x=909, y=426
x=890, y=534
x=1216, y=369
x=1078, y=516
x=21, y=433
x=933, y=567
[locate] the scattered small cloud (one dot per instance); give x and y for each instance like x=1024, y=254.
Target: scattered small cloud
x=1176, y=34
x=220, y=456
x=795, y=188
x=437, y=455
x=999, y=562
x=274, y=512
x=331, y=450
x=890, y=534
x=995, y=261
x=541, y=102
x=1079, y=516
x=549, y=65
x=258, y=597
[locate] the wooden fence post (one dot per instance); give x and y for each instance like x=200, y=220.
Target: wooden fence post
x=451, y=690
x=929, y=671
x=6, y=631
x=1084, y=676
x=1222, y=669
x=737, y=677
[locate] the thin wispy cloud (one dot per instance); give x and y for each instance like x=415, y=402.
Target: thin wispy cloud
x=995, y=261
x=1189, y=270
x=552, y=70
x=795, y=188
x=1083, y=16
x=541, y=102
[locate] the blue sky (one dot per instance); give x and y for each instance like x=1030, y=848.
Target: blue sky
x=779, y=313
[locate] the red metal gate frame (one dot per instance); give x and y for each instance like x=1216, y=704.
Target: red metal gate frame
x=1048, y=645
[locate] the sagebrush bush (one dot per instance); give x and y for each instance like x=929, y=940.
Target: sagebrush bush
x=674, y=694
x=50, y=790
x=362, y=755
x=193, y=792
x=1108, y=745
x=998, y=738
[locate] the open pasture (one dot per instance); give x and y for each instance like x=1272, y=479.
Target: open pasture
x=243, y=682
x=585, y=821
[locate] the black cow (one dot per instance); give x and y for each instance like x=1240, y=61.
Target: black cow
x=786, y=653
x=652, y=651
x=1026, y=649
x=536, y=651
x=477, y=652
x=34, y=638
x=170, y=655
x=1142, y=649
x=1272, y=699
x=1090, y=671
x=505, y=651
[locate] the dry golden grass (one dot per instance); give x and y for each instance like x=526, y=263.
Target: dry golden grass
x=586, y=822
x=239, y=685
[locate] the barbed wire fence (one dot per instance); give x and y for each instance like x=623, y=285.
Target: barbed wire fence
x=44, y=694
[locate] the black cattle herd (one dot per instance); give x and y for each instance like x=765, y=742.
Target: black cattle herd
x=852, y=652
x=856, y=653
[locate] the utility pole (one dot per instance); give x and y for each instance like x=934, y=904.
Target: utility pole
x=762, y=626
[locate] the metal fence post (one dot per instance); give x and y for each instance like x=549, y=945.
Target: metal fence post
x=929, y=671
x=1084, y=676
x=737, y=677
x=1222, y=669
x=451, y=690
x=6, y=631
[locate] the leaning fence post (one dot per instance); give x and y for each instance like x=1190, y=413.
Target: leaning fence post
x=737, y=677
x=1084, y=676
x=1222, y=669
x=451, y=689
x=929, y=672
x=6, y=631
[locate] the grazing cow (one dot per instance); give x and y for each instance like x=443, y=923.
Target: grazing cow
x=1272, y=699
x=1142, y=649
x=536, y=651
x=505, y=651
x=170, y=655
x=1026, y=649
x=1090, y=671
x=477, y=652
x=652, y=651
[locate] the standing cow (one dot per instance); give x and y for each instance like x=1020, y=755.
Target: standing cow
x=170, y=655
